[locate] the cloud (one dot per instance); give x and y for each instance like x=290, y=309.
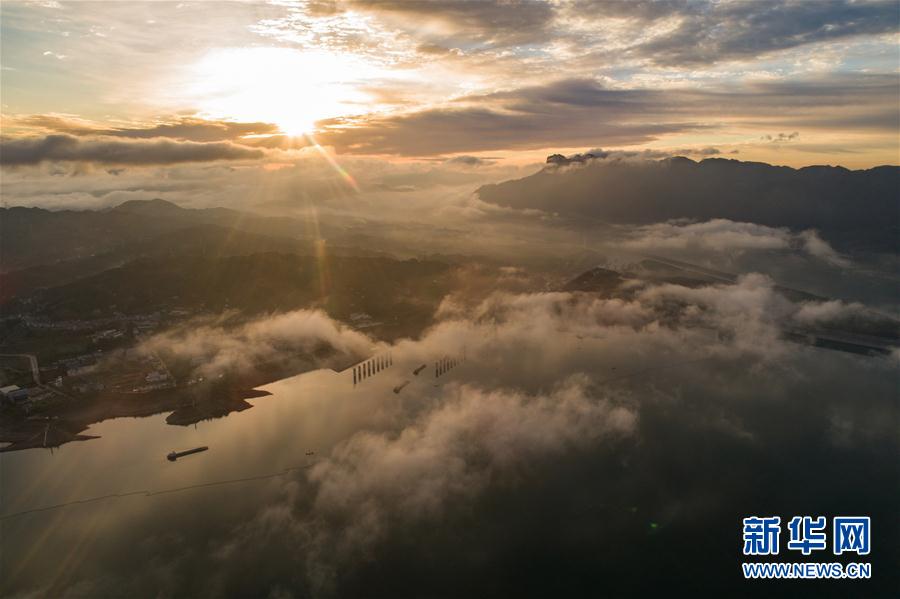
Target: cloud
x=716, y=235
x=781, y=137
x=812, y=313
x=500, y=23
x=542, y=393
x=666, y=33
x=68, y=148
x=435, y=49
x=617, y=421
x=183, y=129
x=470, y=160
x=59, y=123
x=648, y=154
x=710, y=32
x=195, y=130
x=820, y=248
x=489, y=66
x=452, y=130
x=305, y=178
x=585, y=111
x=305, y=337
x=430, y=457
x=723, y=235
x=454, y=452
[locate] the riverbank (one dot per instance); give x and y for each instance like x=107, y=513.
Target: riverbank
x=65, y=422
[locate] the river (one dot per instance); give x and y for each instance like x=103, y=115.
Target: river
x=127, y=468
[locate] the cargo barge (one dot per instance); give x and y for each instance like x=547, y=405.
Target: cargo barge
x=174, y=455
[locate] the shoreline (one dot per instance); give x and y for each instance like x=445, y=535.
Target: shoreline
x=67, y=423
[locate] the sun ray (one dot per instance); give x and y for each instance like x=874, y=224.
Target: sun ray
x=332, y=161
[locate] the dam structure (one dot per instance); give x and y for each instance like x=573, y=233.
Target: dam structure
x=372, y=366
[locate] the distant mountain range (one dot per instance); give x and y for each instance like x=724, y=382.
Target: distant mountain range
x=854, y=210
x=144, y=256
x=35, y=236
x=43, y=248
x=256, y=283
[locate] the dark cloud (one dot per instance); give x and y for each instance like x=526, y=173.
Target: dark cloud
x=276, y=142
x=466, y=160
x=581, y=111
x=797, y=97
x=838, y=101
x=781, y=137
x=875, y=120
x=695, y=32
x=707, y=32
x=576, y=92
x=196, y=130
x=733, y=30
x=67, y=148
x=641, y=10
x=500, y=22
x=450, y=130
x=435, y=49
x=184, y=129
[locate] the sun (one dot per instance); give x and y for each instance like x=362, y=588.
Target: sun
x=294, y=127
x=290, y=88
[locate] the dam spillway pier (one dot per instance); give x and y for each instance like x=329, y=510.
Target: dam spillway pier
x=444, y=365
x=372, y=366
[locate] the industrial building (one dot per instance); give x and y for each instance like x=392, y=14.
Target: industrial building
x=13, y=393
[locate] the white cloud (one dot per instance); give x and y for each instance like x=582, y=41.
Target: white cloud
x=723, y=235
x=298, y=336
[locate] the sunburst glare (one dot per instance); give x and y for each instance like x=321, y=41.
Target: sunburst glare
x=288, y=87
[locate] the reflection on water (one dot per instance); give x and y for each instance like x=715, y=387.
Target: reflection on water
x=307, y=413
x=527, y=488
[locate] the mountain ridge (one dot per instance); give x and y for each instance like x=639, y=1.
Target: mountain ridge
x=855, y=210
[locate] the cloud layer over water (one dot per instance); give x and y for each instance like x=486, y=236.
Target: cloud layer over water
x=574, y=424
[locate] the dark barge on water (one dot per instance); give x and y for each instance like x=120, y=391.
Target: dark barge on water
x=174, y=455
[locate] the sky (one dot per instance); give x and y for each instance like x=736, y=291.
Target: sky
x=165, y=83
